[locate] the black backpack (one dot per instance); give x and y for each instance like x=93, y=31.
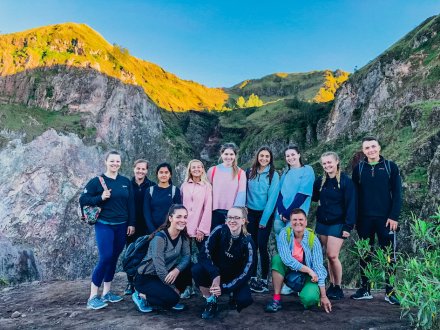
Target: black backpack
x=136, y=252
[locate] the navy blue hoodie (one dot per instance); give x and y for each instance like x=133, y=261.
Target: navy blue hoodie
x=119, y=208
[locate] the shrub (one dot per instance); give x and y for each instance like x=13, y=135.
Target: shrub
x=417, y=275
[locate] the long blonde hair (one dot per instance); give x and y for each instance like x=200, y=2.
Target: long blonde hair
x=188, y=175
x=234, y=148
x=338, y=171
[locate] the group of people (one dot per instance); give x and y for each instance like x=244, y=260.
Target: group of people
x=228, y=214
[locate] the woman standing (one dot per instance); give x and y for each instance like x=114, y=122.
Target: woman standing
x=296, y=188
x=225, y=264
x=164, y=272
x=335, y=217
x=116, y=220
x=159, y=199
x=140, y=184
x=262, y=193
x=228, y=184
x=196, y=194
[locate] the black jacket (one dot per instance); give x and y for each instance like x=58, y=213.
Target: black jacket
x=232, y=259
x=379, y=189
x=139, y=196
x=336, y=205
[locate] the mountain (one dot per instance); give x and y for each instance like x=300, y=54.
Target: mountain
x=78, y=45
x=59, y=115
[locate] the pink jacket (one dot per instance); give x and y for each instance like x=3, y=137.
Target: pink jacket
x=227, y=191
x=197, y=198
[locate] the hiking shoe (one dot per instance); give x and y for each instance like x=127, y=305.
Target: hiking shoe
x=259, y=286
x=210, y=310
x=129, y=290
x=189, y=291
x=111, y=297
x=178, y=307
x=285, y=290
x=273, y=307
x=96, y=303
x=336, y=293
x=141, y=304
x=392, y=299
x=329, y=290
x=362, y=294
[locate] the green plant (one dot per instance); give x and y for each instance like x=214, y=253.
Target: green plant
x=416, y=278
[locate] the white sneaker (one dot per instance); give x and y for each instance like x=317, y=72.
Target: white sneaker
x=285, y=290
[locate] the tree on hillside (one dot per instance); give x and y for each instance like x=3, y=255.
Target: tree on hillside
x=253, y=101
x=241, y=102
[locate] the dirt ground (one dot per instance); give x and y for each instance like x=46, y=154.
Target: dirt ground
x=62, y=305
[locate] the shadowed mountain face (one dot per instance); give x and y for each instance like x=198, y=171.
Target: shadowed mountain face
x=67, y=97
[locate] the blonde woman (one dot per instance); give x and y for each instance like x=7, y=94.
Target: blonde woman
x=196, y=194
x=226, y=263
x=335, y=216
x=228, y=184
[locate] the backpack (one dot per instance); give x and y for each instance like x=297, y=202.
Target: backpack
x=311, y=236
x=387, y=168
x=173, y=191
x=135, y=253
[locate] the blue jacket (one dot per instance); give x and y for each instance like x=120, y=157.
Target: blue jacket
x=313, y=257
x=262, y=196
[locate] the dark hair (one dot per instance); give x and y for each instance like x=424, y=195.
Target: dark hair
x=370, y=138
x=140, y=161
x=296, y=148
x=113, y=152
x=298, y=211
x=167, y=223
x=256, y=164
x=168, y=166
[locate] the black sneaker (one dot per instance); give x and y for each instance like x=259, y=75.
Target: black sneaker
x=129, y=290
x=329, y=290
x=210, y=310
x=336, y=293
x=392, y=299
x=362, y=294
x=259, y=286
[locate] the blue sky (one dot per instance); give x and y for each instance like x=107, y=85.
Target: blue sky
x=220, y=43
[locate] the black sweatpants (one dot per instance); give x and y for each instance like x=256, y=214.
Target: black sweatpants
x=160, y=294
x=260, y=236
x=368, y=228
x=242, y=294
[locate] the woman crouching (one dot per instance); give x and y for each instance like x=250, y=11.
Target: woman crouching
x=164, y=273
x=226, y=263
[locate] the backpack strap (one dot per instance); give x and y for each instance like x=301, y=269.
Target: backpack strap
x=361, y=167
x=387, y=167
x=311, y=240
x=212, y=174
x=173, y=191
x=101, y=180
x=239, y=174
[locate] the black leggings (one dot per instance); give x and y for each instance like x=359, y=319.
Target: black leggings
x=242, y=294
x=367, y=228
x=160, y=294
x=218, y=218
x=260, y=236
